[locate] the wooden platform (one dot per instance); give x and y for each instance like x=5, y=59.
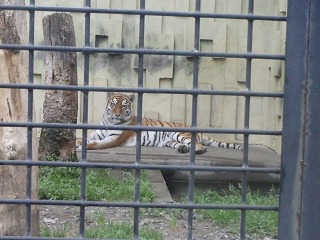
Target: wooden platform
x=259, y=156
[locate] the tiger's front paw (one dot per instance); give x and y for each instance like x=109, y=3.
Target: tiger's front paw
x=201, y=150
x=79, y=144
x=183, y=149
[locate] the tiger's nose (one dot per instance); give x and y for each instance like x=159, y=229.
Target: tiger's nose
x=117, y=113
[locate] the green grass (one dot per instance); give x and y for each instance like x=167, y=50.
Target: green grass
x=63, y=183
x=103, y=229
x=59, y=183
x=258, y=223
x=171, y=215
x=114, y=230
x=45, y=231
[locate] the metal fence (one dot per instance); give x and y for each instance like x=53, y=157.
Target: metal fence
x=300, y=166
x=299, y=199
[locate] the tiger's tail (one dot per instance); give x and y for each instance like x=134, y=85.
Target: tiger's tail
x=207, y=141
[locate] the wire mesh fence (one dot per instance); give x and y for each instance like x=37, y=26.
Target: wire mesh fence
x=249, y=56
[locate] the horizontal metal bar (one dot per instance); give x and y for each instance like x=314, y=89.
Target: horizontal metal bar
x=142, y=90
x=195, y=167
x=144, y=12
x=140, y=128
x=140, y=204
x=190, y=53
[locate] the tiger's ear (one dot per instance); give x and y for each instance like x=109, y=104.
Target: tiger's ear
x=131, y=97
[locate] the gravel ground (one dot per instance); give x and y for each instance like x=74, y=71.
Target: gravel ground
x=57, y=217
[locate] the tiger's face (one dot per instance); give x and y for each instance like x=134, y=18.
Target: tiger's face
x=119, y=108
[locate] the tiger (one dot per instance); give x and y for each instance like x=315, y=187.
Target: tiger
x=119, y=112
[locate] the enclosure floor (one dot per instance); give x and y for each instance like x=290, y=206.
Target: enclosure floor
x=259, y=156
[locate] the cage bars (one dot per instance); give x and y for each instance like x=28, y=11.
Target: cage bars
x=192, y=167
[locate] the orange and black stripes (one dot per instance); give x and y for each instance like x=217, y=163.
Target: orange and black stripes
x=119, y=112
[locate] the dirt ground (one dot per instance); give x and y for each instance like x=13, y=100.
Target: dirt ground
x=57, y=217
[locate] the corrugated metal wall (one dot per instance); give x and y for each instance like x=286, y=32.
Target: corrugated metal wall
x=161, y=71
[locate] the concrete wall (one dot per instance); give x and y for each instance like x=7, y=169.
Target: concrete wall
x=176, y=33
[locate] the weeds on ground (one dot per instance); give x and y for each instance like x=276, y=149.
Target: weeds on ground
x=120, y=230
x=258, y=223
x=46, y=231
x=171, y=215
x=103, y=229
x=63, y=183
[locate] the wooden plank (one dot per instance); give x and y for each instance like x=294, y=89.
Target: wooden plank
x=259, y=156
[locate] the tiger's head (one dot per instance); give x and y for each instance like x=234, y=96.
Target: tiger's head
x=119, y=109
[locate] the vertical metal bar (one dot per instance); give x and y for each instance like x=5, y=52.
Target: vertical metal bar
x=310, y=216
x=300, y=189
x=30, y=119
x=244, y=183
x=293, y=112
x=194, y=117
x=86, y=75
x=139, y=122
x=85, y=120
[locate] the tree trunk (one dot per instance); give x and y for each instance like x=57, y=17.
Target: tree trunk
x=13, y=108
x=59, y=106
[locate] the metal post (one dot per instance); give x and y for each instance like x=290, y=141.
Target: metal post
x=30, y=119
x=86, y=80
x=300, y=185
